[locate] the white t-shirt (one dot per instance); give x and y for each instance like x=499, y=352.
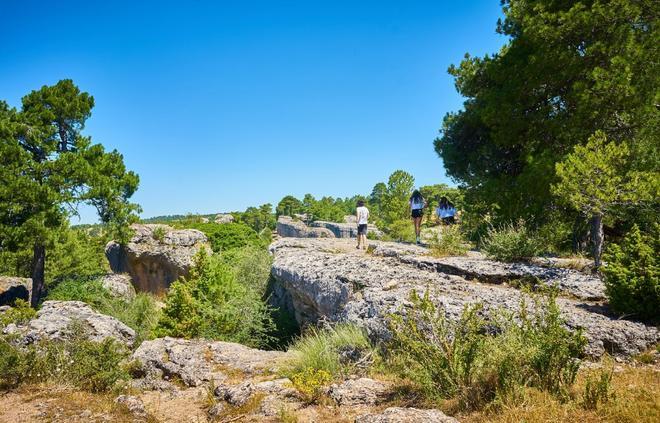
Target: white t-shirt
x=417, y=205
x=362, y=215
x=445, y=211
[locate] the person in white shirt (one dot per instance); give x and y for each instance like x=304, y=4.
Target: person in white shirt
x=362, y=215
x=417, y=204
x=446, y=211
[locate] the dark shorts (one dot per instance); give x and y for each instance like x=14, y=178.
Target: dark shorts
x=362, y=229
x=417, y=213
x=448, y=220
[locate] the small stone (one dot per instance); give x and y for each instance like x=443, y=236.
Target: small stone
x=133, y=403
x=215, y=411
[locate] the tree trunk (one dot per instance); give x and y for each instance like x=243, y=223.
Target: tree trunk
x=38, y=263
x=597, y=237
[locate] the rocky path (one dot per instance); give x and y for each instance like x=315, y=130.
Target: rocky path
x=329, y=279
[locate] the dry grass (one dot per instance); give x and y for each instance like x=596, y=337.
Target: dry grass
x=636, y=399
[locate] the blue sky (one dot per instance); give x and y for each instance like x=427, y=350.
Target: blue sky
x=219, y=105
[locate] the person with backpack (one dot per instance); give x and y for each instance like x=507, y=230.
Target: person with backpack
x=362, y=216
x=417, y=204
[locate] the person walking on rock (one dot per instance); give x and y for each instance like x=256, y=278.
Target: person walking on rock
x=362, y=215
x=417, y=204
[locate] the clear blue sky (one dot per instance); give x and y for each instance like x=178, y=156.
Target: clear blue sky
x=220, y=105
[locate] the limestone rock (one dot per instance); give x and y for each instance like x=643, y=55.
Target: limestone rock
x=406, y=415
x=224, y=218
x=288, y=227
x=236, y=395
x=156, y=255
x=363, y=391
x=331, y=280
x=55, y=319
x=134, y=405
x=197, y=361
x=119, y=285
x=13, y=288
x=216, y=410
x=346, y=230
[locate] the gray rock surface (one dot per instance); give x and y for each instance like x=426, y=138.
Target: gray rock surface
x=119, y=285
x=13, y=288
x=156, y=255
x=406, y=415
x=134, y=405
x=292, y=228
x=55, y=319
x=345, y=230
x=197, y=361
x=331, y=280
x=363, y=391
x=224, y=218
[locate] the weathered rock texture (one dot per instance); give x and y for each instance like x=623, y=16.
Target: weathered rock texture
x=12, y=289
x=346, y=230
x=330, y=280
x=224, y=218
x=57, y=319
x=119, y=285
x=406, y=415
x=292, y=228
x=156, y=255
x=194, y=362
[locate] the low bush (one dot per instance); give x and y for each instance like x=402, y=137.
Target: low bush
x=311, y=383
x=481, y=362
x=450, y=242
x=632, y=274
x=401, y=230
x=140, y=314
x=251, y=266
x=597, y=389
x=88, y=365
x=337, y=350
x=212, y=303
x=511, y=242
x=228, y=236
x=21, y=312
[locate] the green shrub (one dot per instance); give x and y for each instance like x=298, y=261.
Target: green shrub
x=251, y=266
x=450, y=242
x=229, y=236
x=140, y=314
x=336, y=350
x=597, y=389
x=88, y=365
x=212, y=303
x=401, y=230
x=159, y=233
x=511, y=242
x=480, y=362
x=21, y=312
x=632, y=274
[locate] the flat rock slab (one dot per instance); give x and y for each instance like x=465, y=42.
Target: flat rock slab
x=196, y=361
x=330, y=280
x=406, y=415
x=56, y=319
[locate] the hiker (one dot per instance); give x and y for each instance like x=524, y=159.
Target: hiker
x=417, y=204
x=446, y=211
x=362, y=215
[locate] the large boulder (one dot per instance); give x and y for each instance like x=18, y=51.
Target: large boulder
x=119, y=286
x=156, y=255
x=197, y=361
x=57, y=319
x=13, y=288
x=224, y=218
x=293, y=228
x=330, y=280
x=345, y=230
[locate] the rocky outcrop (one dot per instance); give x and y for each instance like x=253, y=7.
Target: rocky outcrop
x=57, y=320
x=194, y=362
x=292, y=228
x=156, y=255
x=224, y=218
x=13, y=288
x=406, y=415
x=119, y=286
x=331, y=280
x=346, y=230
x=363, y=391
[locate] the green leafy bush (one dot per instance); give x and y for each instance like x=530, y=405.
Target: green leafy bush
x=21, y=312
x=511, y=242
x=88, y=365
x=480, y=362
x=212, y=303
x=335, y=350
x=251, y=266
x=632, y=275
x=141, y=313
x=311, y=383
x=449, y=243
x=401, y=230
x=229, y=236
x=597, y=389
